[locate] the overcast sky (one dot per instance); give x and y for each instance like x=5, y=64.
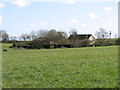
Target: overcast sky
x=20, y=17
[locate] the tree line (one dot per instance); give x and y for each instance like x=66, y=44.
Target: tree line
x=45, y=34
x=41, y=38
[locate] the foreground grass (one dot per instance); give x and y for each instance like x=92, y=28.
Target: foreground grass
x=91, y=67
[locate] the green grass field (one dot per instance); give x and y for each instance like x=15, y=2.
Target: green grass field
x=89, y=67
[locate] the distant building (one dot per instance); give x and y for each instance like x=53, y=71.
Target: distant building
x=83, y=37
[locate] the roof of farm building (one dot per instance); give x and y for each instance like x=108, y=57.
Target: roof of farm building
x=80, y=36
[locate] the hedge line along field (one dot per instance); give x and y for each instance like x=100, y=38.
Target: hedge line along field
x=88, y=67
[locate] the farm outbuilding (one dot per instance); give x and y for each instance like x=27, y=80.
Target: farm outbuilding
x=83, y=37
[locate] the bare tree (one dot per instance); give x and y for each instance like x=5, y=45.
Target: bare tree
x=13, y=37
x=20, y=38
x=33, y=35
x=42, y=33
x=101, y=34
x=73, y=31
x=3, y=35
x=74, y=40
x=25, y=37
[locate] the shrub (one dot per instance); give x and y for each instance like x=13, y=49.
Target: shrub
x=99, y=42
x=84, y=43
x=21, y=44
x=118, y=41
x=105, y=42
x=38, y=43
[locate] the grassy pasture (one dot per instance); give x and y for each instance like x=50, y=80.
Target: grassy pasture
x=89, y=67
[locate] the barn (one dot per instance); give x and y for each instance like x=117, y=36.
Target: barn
x=83, y=37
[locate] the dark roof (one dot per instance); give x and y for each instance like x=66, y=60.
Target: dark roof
x=80, y=36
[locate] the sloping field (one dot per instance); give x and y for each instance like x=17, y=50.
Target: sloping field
x=90, y=67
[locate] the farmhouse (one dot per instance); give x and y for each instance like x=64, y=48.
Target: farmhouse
x=83, y=37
